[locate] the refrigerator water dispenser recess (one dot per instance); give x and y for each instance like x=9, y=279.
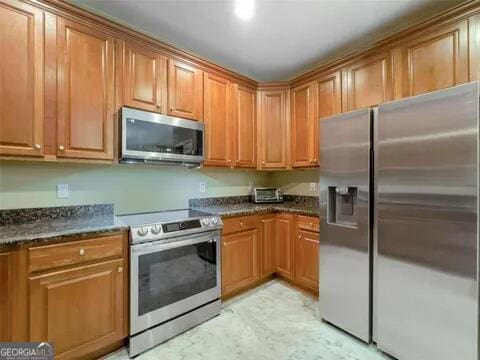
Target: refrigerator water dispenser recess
x=342, y=205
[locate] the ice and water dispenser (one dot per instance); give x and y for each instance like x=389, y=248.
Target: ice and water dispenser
x=342, y=203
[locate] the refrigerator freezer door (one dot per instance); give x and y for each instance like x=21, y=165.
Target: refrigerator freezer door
x=344, y=215
x=427, y=225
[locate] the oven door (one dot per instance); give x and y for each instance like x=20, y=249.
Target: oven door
x=170, y=279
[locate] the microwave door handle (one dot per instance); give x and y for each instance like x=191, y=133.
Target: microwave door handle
x=150, y=247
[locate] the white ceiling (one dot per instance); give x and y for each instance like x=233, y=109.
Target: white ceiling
x=283, y=39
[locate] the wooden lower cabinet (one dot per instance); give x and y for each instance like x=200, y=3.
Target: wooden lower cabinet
x=5, y=297
x=73, y=293
x=80, y=309
x=259, y=246
x=239, y=261
x=306, y=259
x=267, y=244
x=284, y=245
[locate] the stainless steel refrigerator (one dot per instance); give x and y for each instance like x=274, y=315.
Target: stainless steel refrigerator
x=399, y=229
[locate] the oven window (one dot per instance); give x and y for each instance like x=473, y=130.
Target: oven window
x=163, y=139
x=168, y=276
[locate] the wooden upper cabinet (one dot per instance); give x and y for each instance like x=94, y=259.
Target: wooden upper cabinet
x=218, y=119
x=432, y=61
x=273, y=129
x=284, y=245
x=267, y=244
x=245, y=129
x=21, y=79
x=369, y=81
x=80, y=309
x=185, y=91
x=329, y=94
x=474, y=44
x=85, y=91
x=144, y=79
x=304, y=126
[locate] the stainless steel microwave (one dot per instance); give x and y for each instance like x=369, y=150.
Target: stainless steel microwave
x=156, y=138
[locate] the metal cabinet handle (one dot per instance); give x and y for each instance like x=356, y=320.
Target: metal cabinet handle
x=61, y=148
x=37, y=146
x=81, y=252
x=120, y=269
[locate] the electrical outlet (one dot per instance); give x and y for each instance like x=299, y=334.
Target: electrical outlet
x=62, y=191
x=202, y=187
x=250, y=186
x=313, y=186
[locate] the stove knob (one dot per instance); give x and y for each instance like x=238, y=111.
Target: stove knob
x=214, y=220
x=156, y=229
x=206, y=221
x=142, y=231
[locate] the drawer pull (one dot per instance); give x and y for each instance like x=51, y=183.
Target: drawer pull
x=120, y=269
x=81, y=252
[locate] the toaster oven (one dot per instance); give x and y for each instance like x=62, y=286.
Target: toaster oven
x=267, y=195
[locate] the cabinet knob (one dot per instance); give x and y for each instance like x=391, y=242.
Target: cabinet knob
x=241, y=223
x=159, y=107
x=224, y=244
x=172, y=108
x=299, y=236
x=229, y=161
x=61, y=148
x=237, y=161
x=315, y=160
x=37, y=146
x=81, y=252
x=311, y=224
x=120, y=269
x=263, y=162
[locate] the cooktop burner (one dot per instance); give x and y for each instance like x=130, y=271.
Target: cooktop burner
x=166, y=224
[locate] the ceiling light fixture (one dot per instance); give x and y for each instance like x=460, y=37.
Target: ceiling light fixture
x=245, y=9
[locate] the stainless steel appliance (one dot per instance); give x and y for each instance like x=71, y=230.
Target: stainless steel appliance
x=412, y=168
x=262, y=195
x=162, y=139
x=175, y=272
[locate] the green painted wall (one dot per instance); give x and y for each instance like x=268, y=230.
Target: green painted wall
x=132, y=188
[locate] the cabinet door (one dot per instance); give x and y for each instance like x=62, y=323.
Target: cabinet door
x=218, y=120
x=474, y=44
x=273, y=129
x=185, y=91
x=306, y=259
x=245, y=139
x=5, y=297
x=329, y=94
x=369, y=81
x=145, y=79
x=239, y=261
x=80, y=309
x=267, y=245
x=432, y=61
x=21, y=79
x=85, y=92
x=284, y=245
x=303, y=126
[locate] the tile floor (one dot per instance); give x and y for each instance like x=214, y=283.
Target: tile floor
x=272, y=322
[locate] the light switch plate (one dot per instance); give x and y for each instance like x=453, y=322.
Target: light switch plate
x=62, y=191
x=202, y=187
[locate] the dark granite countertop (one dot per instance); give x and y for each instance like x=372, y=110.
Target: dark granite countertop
x=240, y=206
x=42, y=224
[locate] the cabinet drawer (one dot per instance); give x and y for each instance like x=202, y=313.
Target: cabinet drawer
x=308, y=223
x=240, y=223
x=74, y=252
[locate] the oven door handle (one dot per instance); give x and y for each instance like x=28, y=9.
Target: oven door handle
x=152, y=247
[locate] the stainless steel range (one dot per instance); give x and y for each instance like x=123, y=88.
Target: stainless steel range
x=174, y=274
